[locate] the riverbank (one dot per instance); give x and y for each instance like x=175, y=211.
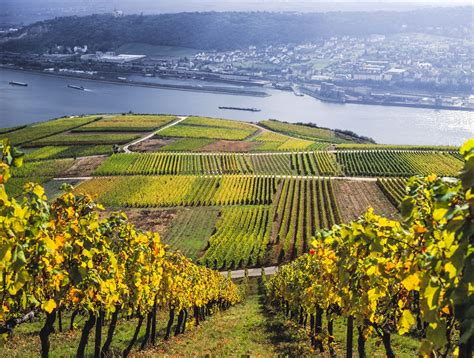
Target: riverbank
x=48, y=97
x=207, y=89
x=385, y=104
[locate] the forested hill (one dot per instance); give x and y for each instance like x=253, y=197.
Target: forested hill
x=229, y=30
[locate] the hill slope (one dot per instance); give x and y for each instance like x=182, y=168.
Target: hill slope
x=229, y=30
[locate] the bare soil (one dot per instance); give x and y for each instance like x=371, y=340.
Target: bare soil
x=355, y=197
x=154, y=220
x=84, y=166
x=151, y=145
x=229, y=146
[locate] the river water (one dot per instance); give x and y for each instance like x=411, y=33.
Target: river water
x=48, y=97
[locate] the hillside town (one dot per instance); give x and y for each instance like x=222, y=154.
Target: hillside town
x=407, y=69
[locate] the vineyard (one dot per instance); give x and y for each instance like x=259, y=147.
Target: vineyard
x=306, y=132
x=156, y=191
x=57, y=152
x=302, y=207
x=309, y=163
x=190, y=230
x=46, y=129
x=186, y=144
x=85, y=139
x=293, y=209
x=240, y=239
x=209, y=128
x=385, y=277
x=366, y=163
x=394, y=189
x=127, y=123
x=61, y=257
x=398, y=163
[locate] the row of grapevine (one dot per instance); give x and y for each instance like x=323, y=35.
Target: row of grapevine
x=397, y=163
x=303, y=206
x=164, y=163
x=240, y=239
x=393, y=188
x=61, y=257
x=311, y=163
x=409, y=277
x=351, y=163
x=156, y=191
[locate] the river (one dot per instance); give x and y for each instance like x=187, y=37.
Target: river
x=48, y=97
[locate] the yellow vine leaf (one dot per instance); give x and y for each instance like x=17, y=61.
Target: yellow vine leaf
x=49, y=306
x=412, y=282
x=406, y=322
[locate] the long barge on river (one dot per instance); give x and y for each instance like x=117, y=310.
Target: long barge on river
x=15, y=83
x=240, y=109
x=80, y=88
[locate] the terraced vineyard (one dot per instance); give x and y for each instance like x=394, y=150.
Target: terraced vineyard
x=191, y=229
x=308, y=163
x=240, y=196
x=127, y=123
x=45, y=168
x=398, y=163
x=85, y=139
x=45, y=129
x=393, y=188
x=209, y=128
x=302, y=206
x=240, y=239
x=54, y=152
x=166, y=190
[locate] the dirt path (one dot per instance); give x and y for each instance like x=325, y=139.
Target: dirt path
x=148, y=136
x=252, y=272
x=84, y=166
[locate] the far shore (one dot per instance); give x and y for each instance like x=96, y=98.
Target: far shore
x=208, y=89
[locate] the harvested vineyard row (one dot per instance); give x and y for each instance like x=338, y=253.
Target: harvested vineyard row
x=186, y=144
x=355, y=197
x=302, y=207
x=308, y=163
x=240, y=239
x=299, y=130
x=163, y=191
x=86, y=139
x=48, y=128
x=55, y=152
x=217, y=123
x=127, y=123
x=45, y=168
x=398, y=163
x=394, y=189
x=191, y=131
x=280, y=142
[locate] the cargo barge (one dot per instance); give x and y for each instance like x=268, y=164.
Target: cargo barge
x=15, y=83
x=76, y=87
x=241, y=109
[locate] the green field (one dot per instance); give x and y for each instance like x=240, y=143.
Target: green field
x=74, y=151
x=186, y=144
x=85, y=139
x=191, y=229
x=46, y=129
x=127, y=123
x=301, y=131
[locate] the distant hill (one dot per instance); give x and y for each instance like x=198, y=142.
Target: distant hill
x=230, y=30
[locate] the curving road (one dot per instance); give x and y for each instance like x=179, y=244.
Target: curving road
x=148, y=136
